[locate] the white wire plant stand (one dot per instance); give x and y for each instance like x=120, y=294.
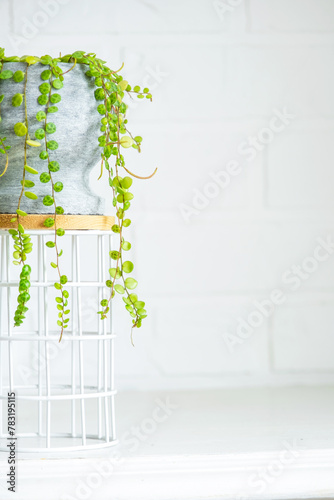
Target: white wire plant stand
x=65, y=391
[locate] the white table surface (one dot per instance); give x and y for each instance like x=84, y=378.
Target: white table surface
x=275, y=443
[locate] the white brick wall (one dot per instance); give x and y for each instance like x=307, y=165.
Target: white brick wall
x=296, y=16
x=298, y=164
x=221, y=72
x=299, y=343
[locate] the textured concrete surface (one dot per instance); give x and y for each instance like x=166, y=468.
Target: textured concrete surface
x=77, y=123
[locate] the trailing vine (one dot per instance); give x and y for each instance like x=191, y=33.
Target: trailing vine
x=46, y=98
x=111, y=89
x=4, y=151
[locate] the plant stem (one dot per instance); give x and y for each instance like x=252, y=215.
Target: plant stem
x=55, y=215
x=138, y=176
x=7, y=157
x=25, y=157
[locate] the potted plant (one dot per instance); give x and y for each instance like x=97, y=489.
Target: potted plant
x=58, y=117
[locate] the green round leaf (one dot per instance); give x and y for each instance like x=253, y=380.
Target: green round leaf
x=41, y=116
x=30, y=195
x=116, y=181
x=49, y=222
x=131, y=283
x=78, y=54
x=26, y=270
x=101, y=109
x=23, y=297
x=55, y=98
x=128, y=196
x=54, y=166
x=40, y=133
x=119, y=289
x=115, y=273
x=57, y=84
x=30, y=170
x=48, y=201
x=58, y=187
x=52, y=109
x=43, y=99
x=46, y=59
x=44, y=155
x=128, y=266
x=126, y=141
x=17, y=100
x=114, y=255
x=18, y=76
x=20, y=129
x=24, y=284
x=46, y=75
x=126, y=183
x=27, y=183
x=34, y=144
x=6, y=74
x=17, y=255
x=45, y=88
x=59, y=210
x=45, y=177
x=21, y=212
x=50, y=128
x=139, y=304
x=99, y=94
x=52, y=145
x=29, y=59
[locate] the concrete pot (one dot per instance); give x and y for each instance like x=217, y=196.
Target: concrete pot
x=78, y=127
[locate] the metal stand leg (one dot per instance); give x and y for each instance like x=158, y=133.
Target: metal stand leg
x=84, y=383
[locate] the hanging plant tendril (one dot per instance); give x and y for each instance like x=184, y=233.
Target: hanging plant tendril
x=110, y=91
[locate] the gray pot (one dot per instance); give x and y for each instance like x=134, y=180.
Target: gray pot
x=78, y=128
